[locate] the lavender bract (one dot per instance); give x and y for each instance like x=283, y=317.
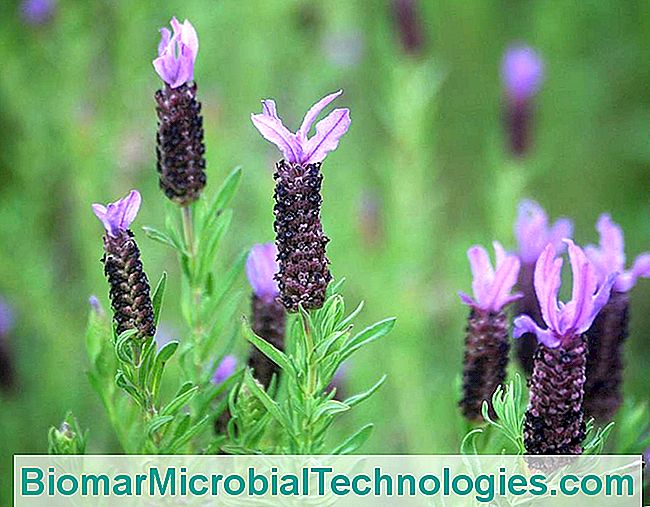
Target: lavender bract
x=554, y=422
x=179, y=141
x=224, y=371
x=37, y=12
x=533, y=232
x=177, y=53
x=606, y=337
x=129, y=286
x=486, y=342
x=7, y=373
x=303, y=265
x=6, y=318
x=268, y=315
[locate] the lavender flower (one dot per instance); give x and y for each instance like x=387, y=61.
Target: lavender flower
x=606, y=337
x=225, y=370
x=180, y=149
x=554, y=421
x=303, y=266
x=268, y=315
x=95, y=305
x=522, y=72
x=37, y=12
x=486, y=343
x=533, y=233
x=129, y=286
x=7, y=373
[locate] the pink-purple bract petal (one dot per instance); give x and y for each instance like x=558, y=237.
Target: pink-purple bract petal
x=298, y=148
x=226, y=368
x=533, y=232
x=261, y=267
x=177, y=54
x=522, y=72
x=118, y=216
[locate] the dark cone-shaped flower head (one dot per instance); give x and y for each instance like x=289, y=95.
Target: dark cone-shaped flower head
x=268, y=314
x=603, y=395
x=180, y=149
x=533, y=233
x=408, y=22
x=607, y=335
x=303, y=266
x=554, y=421
x=486, y=343
x=129, y=286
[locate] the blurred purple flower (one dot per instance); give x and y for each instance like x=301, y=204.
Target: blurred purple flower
x=177, y=53
x=533, y=232
x=225, y=369
x=96, y=305
x=492, y=287
x=343, y=49
x=298, y=148
x=564, y=320
x=609, y=256
x=408, y=21
x=6, y=318
x=37, y=12
x=119, y=215
x=522, y=72
x=261, y=268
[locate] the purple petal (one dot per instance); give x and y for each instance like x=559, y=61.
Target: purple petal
x=261, y=267
x=313, y=113
x=640, y=269
x=533, y=233
x=118, y=216
x=165, y=37
x=505, y=279
x=466, y=299
x=482, y=273
x=598, y=301
x=578, y=310
x=177, y=54
x=6, y=318
x=225, y=369
x=547, y=284
x=272, y=129
x=525, y=324
x=328, y=132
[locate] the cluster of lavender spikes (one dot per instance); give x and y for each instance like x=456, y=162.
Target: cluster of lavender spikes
x=575, y=359
x=292, y=273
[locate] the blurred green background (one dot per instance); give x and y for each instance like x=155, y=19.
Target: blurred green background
x=423, y=173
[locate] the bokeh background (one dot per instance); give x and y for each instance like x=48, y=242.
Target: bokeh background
x=423, y=173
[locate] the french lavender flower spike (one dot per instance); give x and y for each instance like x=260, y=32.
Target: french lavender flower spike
x=268, y=315
x=180, y=149
x=486, y=343
x=129, y=286
x=533, y=232
x=522, y=73
x=303, y=265
x=7, y=369
x=554, y=422
x=37, y=12
x=606, y=337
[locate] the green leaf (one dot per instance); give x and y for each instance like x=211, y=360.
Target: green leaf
x=224, y=194
x=157, y=423
x=367, y=336
x=330, y=408
x=127, y=386
x=157, y=297
x=164, y=354
x=348, y=320
x=355, y=441
x=270, y=405
x=210, y=244
x=181, y=400
x=267, y=349
x=122, y=346
x=226, y=283
x=98, y=335
x=160, y=237
x=191, y=432
x=358, y=398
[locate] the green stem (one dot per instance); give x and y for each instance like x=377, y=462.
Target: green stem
x=312, y=374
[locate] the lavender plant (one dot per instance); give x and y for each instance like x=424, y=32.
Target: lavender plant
x=609, y=331
x=487, y=343
x=554, y=421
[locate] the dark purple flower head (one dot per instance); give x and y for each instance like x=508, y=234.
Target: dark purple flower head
x=564, y=320
x=492, y=287
x=37, y=12
x=177, y=54
x=261, y=267
x=225, y=369
x=533, y=232
x=119, y=215
x=6, y=318
x=522, y=72
x=298, y=148
x=609, y=256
